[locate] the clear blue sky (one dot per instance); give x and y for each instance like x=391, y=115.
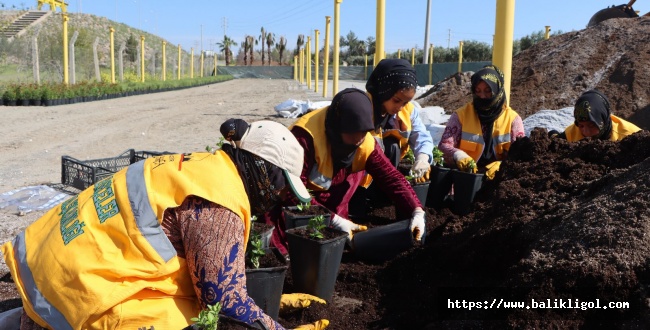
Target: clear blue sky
x=194, y=23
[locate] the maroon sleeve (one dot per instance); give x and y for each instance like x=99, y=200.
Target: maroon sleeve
x=391, y=181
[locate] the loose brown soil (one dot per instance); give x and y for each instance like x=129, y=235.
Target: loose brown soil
x=560, y=220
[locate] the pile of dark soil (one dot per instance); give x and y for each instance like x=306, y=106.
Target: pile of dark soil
x=612, y=57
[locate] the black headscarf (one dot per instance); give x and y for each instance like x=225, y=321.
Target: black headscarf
x=389, y=77
x=593, y=106
x=350, y=112
x=488, y=110
x=262, y=180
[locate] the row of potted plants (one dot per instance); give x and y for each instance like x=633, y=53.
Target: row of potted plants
x=49, y=94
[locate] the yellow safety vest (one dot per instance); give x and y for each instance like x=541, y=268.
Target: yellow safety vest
x=320, y=175
x=101, y=260
x=472, y=136
x=404, y=115
x=620, y=129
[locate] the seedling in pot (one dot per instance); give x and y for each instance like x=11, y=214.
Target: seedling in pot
x=255, y=250
x=472, y=166
x=303, y=206
x=437, y=157
x=208, y=318
x=315, y=225
x=409, y=157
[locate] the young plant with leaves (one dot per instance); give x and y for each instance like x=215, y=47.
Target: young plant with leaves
x=219, y=145
x=437, y=157
x=255, y=250
x=208, y=318
x=303, y=206
x=315, y=225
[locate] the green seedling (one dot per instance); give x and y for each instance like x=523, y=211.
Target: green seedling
x=303, y=206
x=437, y=156
x=208, y=318
x=219, y=145
x=409, y=157
x=472, y=166
x=255, y=250
x=315, y=225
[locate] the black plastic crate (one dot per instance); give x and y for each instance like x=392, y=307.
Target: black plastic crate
x=82, y=174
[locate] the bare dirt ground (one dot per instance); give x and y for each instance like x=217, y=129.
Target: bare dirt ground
x=34, y=138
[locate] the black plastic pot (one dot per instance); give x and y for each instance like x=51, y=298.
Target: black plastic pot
x=421, y=190
x=265, y=232
x=384, y=242
x=293, y=219
x=439, y=186
x=265, y=285
x=465, y=187
x=315, y=263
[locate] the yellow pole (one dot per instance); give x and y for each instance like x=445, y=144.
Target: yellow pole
x=295, y=67
x=365, y=67
x=503, y=35
x=327, y=55
x=399, y=53
x=430, y=63
x=308, y=62
x=460, y=56
x=66, y=76
x=548, y=31
x=302, y=66
x=112, y=32
x=413, y=56
x=192, y=63
x=201, y=75
x=335, y=58
x=179, y=62
x=380, y=53
x=216, y=58
x=164, y=61
x=317, y=64
x=141, y=58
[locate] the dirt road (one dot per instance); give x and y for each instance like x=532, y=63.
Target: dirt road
x=33, y=139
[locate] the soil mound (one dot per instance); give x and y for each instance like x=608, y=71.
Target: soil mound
x=611, y=57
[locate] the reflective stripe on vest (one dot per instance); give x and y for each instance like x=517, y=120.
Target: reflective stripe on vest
x=145, y=218
x=472, y=141
x=41, y=306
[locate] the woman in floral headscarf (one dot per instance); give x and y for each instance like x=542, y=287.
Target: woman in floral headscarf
x=483, y=129
x=594, y=119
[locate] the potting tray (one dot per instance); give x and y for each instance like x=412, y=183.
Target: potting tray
x=82, y=174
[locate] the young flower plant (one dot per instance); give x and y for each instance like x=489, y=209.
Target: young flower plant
x=437, y=157
x=303, y=206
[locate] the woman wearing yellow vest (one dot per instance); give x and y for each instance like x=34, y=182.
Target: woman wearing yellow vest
x=153, y=244
x=339, y=151
x=594, y=119
x=483, y=129
x=392, y=85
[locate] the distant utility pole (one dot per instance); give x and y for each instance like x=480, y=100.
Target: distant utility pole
x=449, y=39
x=224, y=24
x=426, y=34
x=201, y=38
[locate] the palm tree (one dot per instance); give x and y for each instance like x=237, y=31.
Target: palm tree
x=251, y=41
x=281, y=46
x=247, y=44
x=225, y=47
x=270, y=40
x=262, y=39
x=299, y=43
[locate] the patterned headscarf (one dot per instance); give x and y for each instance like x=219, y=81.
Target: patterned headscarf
x=262, y=180
x=488, y=110
x=593, y=106
x=389, y=77
x=349, y=112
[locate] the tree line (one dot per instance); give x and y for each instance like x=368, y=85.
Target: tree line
x=354, y=50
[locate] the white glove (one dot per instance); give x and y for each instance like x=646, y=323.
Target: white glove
x=417, y=223
x=460, y=155
x=346, y=225
x=421, y=165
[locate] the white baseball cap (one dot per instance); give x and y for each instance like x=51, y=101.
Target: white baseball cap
x=274, y=143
